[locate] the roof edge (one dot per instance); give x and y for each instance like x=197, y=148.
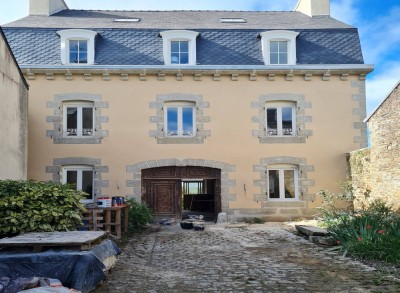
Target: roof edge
x=362, y=69
x=15, y=60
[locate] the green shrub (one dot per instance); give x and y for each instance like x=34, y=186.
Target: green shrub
x=370, y=233
x=29, y=206
x=139, y=215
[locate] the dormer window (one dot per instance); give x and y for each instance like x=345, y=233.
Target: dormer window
x=179, y=47
x=77, y=46
x=279, y=47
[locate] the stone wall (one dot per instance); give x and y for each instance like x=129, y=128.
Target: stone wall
x=376, y=171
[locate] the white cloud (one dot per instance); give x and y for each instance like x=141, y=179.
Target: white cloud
x=381, y=37
x=380, y=84
x=346, y=11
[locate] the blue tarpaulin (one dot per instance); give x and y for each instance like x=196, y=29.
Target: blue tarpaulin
x=80, y=270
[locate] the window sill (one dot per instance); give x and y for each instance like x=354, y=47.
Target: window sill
x=77, y=140
x=281, y=203
x=180, y=140
x=282, y=139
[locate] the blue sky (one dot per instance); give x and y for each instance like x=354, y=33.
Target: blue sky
x=377, y=20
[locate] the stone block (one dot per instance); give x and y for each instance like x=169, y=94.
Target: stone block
x=311, y=230
x=222, y=218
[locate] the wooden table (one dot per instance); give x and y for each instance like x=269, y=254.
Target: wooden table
x=108, y=224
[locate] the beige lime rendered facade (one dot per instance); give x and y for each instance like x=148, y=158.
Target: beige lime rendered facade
x=248, y=113
x=231, y=117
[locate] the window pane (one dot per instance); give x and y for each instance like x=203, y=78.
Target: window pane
x=274, y=58
x=174, y=47
x=187, y=121
x=73, y=57
x=72, y=121
x=87, y=183
x=273, y=179
x=184, y=58
x=72, y=178
x=274, y=47
x=172, y=121
x=287, y=123
x=282, y=46
x=283, y=59
x=175, y=58
x=73, y=46
x=272, y=125
x=82, y=57
x=87, y=123
x=289, y=184
x=184, y=47
x=83, y=46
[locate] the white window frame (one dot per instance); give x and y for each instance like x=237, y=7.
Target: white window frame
x=179, y=106
x=279, y=35
x=79, y=169
x=282, y=168
x=179, y=35
x=79, y=106
x=279, y=106
x=77, y=35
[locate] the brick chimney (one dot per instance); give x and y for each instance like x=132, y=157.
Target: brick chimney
x=314, y=7
x=46, y=7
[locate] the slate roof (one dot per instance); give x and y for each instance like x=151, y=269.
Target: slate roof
x=321, y=40
x=179, y=20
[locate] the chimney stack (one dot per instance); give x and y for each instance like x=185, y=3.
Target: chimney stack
x=314, y=7
x=46, y=7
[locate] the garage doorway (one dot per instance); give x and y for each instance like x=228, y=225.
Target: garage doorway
x=176, y=192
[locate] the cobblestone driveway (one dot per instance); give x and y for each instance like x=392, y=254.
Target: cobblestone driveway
x=255, y=258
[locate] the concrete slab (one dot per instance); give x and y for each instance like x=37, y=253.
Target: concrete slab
x=311, y=231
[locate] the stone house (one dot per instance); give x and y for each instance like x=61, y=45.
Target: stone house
x=14, y=116
x=376, y=170
x=249, y=113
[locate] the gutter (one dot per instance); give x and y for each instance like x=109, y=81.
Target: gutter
x=362, y=69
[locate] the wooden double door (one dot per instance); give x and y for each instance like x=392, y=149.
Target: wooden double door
x=162, y=188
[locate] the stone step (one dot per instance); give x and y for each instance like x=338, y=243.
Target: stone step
x=311, y=230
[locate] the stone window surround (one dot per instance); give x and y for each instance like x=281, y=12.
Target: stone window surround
x=77, y=34
x=227, y=184
x=159, y=119
x=303, y=180
x=58, y=117
x=301, y=119
x=98, y=170
x=179, y=35
x=279, y=35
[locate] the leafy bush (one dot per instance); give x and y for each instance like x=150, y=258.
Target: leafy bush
x=29, y=206
x=370, y=233
x=139, y=215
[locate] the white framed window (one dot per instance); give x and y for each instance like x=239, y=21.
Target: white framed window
x=82, y=177
x=283, y=182
x=279, y=47
x=179, y=47
x=180, y=119
x=77, y=46
x=78, y=119
x=280, y=119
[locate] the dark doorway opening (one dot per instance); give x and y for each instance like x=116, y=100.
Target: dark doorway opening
x=182, y=191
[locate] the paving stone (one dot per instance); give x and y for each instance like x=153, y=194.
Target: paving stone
x=255, y=258
x=311, y=231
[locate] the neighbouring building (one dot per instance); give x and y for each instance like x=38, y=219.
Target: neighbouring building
x=375, y=171
x=14, y=116
x=250, y=113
